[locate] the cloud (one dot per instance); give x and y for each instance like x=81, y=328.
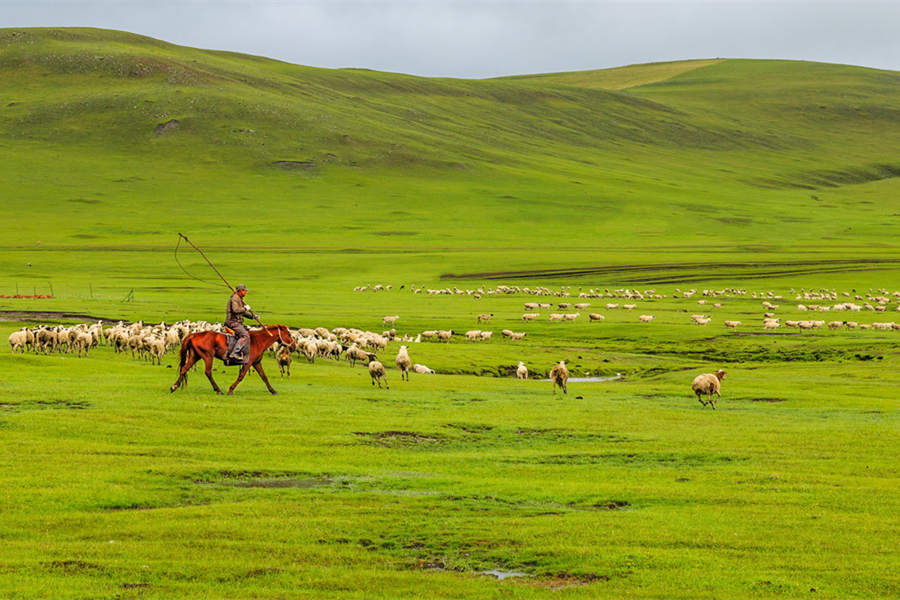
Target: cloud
x=495, y=37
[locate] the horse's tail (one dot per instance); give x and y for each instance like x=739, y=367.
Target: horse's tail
x=186, y=346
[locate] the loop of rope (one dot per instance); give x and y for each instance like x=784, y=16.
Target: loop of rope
x=206, y=281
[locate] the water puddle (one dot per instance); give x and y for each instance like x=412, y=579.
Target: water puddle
x=501, y=575
x=615, y=377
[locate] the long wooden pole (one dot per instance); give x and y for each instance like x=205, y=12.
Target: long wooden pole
x=217, y=271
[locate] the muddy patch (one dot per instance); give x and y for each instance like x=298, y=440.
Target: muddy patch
x=43, y=316
x=51, y=404
x=399, y=439
x=72, y=567
x=646, y=460
x=768, y=399
x=561, y=581
x=262, y=479
x=294, y=164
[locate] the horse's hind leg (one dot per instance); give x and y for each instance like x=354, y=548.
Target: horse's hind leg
x=182, y=376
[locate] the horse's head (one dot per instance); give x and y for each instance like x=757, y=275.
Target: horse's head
x=285, y=337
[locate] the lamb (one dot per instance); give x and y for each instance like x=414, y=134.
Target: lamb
x=390, y=320
x=473, y=335
x=376, y=372
x=485, y=317
x=521, y=371
x=732, y=324
x=646, y=318
x=422, y=369
x=595, y=317
x=486, y=335
x=403, y=363
x=517, y=335
x=284, y=357
x=559, y=375
x=708, y=384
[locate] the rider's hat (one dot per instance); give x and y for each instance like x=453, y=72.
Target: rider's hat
x=240, y=287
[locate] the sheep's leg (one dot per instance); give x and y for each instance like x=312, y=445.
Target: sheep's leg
x=262, y=374
x=565, y=391
x=385, y=382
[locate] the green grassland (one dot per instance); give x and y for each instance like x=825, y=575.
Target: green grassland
x=304, y=183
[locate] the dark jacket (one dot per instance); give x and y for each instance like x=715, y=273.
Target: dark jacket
x=236, y=310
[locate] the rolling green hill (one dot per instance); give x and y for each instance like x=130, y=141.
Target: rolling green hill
x=113, y=140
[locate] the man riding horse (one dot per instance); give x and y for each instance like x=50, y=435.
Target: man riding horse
x=234, y=319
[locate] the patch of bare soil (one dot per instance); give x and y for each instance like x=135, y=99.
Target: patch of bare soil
x=50, y=316
x=768, y=400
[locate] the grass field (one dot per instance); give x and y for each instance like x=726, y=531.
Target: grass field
x=303, y=183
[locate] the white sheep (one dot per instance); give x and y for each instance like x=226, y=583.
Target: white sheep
x=390, y=320
x=473, y=335
x=708, y=384
x=422, y=369
x=530, y=316
x=732, y=324
x=595, y=317
x=521, y=371
x=18, y=340
x=485, y=317
x=403, y=363
x=646, y=318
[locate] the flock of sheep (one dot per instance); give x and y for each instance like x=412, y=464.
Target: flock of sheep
x=152, y=342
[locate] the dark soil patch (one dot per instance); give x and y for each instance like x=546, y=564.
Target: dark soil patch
x=648, y=460
x=295, y=164
x=399, y=439
x=686, y=272
x=262, y=479
x=167, y=127
x=768, y=399
x=50, y=316
x=72, y=566
x=560, y=581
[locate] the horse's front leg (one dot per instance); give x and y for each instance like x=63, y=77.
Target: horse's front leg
x=243, y=372
x=209, y=363
x=262, y=374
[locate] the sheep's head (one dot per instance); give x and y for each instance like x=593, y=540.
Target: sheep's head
x=720, y=374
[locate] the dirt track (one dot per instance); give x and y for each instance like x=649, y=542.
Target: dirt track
x=49, y=316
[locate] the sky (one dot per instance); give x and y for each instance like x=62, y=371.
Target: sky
x=488, y=38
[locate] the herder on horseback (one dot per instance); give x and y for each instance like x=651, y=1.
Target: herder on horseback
x=207, y=346
x=234, y=319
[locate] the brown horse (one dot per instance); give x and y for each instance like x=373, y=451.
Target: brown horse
x=207, y=345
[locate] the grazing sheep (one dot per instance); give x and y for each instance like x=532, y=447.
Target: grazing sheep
x=530, y=316
x=517, y=335
x=403, y=363
x=595, y=317
x=521, y=371
x=156, y=348
x=582, y=305
x=422, y=369
x=556, y=316
x=485, y=317
x=486, y=335
x=284, y=357
x=473, y=335
x=18, y=340
x=444, y=335
x=646, y=318
x=390, y=320
x=571, y=316
x=355, y=353
x=708, y=384
x=629, y=306
x=559, y=375
x=376, y=372
x=732, y=324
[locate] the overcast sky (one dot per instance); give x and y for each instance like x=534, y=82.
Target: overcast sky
x=468, y=38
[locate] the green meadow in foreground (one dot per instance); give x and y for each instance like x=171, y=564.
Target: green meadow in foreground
x=303, y=183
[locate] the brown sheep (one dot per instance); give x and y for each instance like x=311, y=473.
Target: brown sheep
x=376, y=371
x=284, y=357
x=708, y=384
x=559, y=375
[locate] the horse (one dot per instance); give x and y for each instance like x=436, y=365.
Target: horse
x=207, y=345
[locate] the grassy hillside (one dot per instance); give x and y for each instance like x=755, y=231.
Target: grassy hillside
x=778, y=154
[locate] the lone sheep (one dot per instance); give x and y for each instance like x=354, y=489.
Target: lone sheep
x=521, y=371
x=708, y=384
x=559, y=375
x=403, y=363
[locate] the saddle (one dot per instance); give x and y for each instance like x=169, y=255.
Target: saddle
x=230, y=341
